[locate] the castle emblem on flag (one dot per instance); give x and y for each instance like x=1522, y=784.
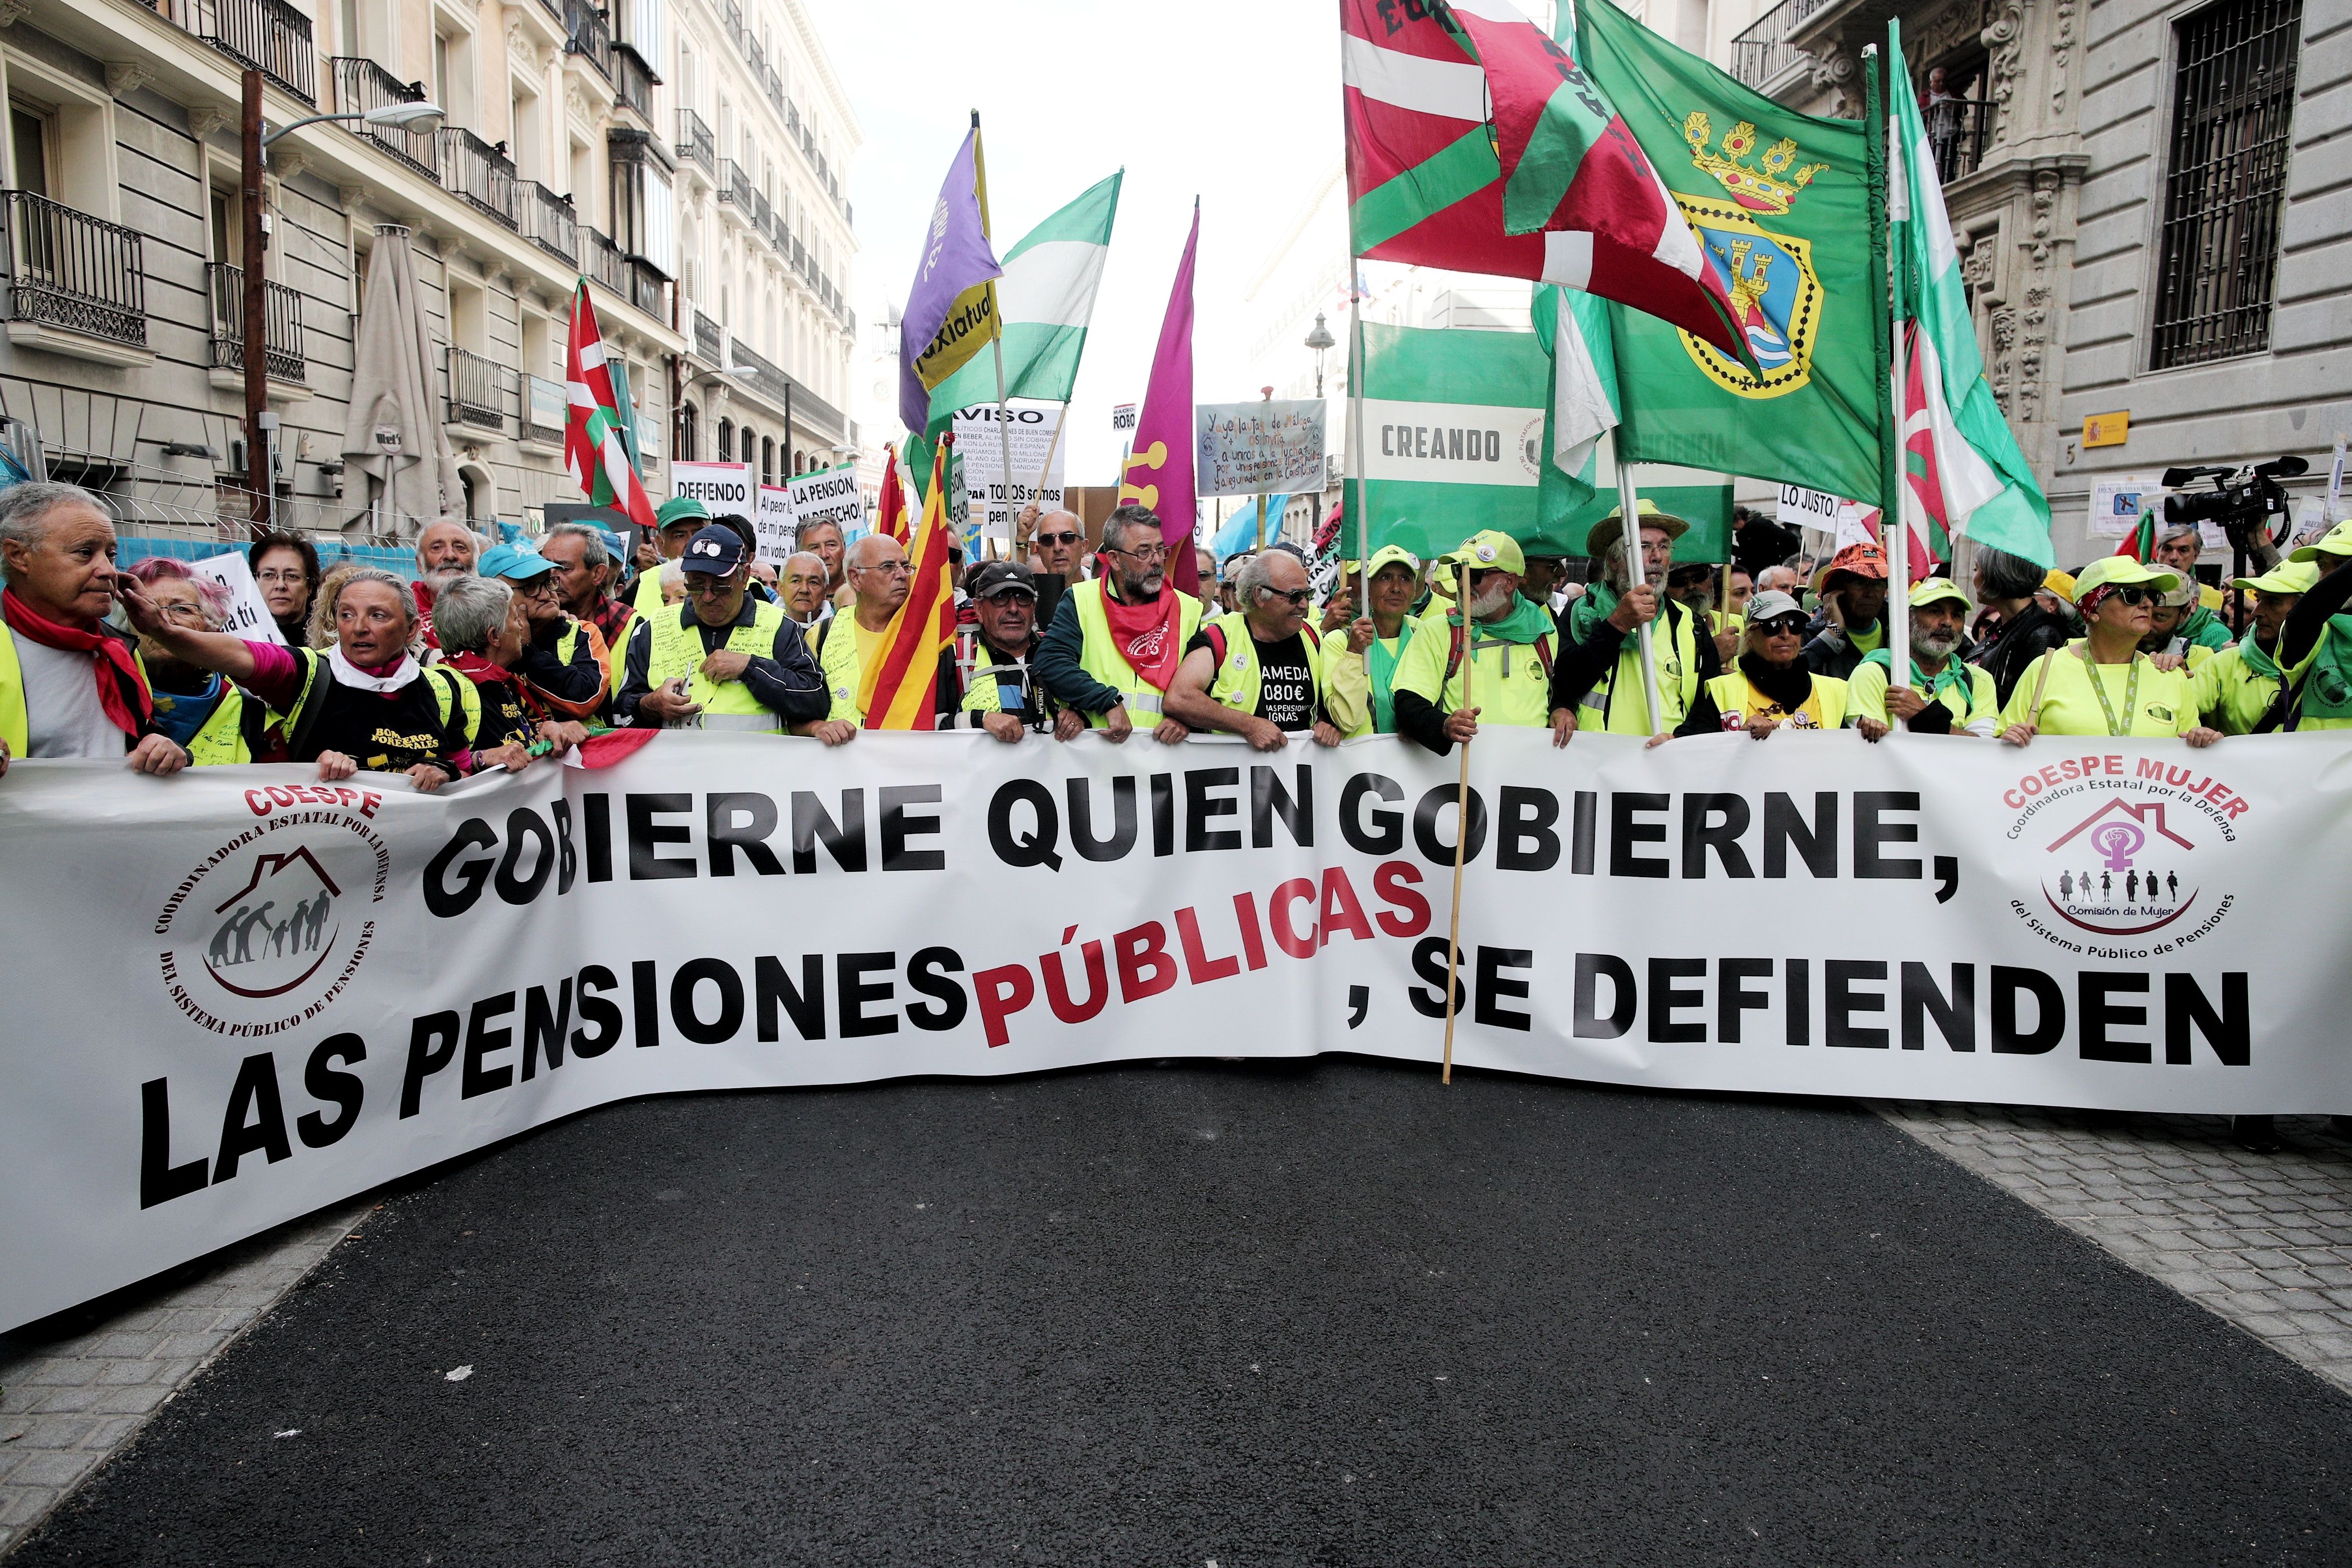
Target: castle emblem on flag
x=1776, y=296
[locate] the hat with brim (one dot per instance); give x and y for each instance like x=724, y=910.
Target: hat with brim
x=1771, y=605
x=1389, y=555
x=2122, y=572
x=2286, y=577
x=1611, y=528
x=2333, y=547
x=1937, y=591
x=1860, y=559
x=715, y=551
x=515, y=562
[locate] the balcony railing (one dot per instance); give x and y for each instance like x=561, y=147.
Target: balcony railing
x=633, y=81
x=589, y=35
x=281, y=318
x=548, y=221
x=1956, y=135
x=544, y=405
x=695, y=143
x=606, y=263
x=268, y=34
x=475, y=384
x=1763, y=51
x=361, y=85
x=481, y=176
x=69, y=269
x=734, y=185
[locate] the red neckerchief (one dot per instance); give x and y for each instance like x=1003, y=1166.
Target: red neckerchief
x=1147, y=635
x=424, y=597
x=123, y=689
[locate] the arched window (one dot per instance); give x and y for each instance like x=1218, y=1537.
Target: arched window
x=751, y=448
x=767, y=460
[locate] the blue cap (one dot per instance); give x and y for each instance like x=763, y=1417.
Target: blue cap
x=715, y=551
x=516, y=562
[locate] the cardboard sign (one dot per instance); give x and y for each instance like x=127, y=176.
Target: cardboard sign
x=774, y=529
x=1259, y=448
x=722, y=487
x=1032, y=430
x=828, y=495
x=1122, y=419
x=249, y=612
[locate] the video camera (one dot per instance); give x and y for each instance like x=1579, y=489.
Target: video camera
x=2241, y=501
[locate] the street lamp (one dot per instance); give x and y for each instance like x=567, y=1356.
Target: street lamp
x=1320, y=340
x=424, y=118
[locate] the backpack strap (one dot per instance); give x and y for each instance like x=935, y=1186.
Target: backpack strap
x=252, y=723
x=1216, y=635
x=1453, y=652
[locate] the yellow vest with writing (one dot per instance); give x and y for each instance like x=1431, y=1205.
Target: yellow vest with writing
x=838, y=662
x=226, y=737
x=1099, y=658
x=1738, y=701
x=676, y=650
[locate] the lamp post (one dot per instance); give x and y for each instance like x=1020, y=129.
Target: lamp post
x=257, y=136
x=1320, y=340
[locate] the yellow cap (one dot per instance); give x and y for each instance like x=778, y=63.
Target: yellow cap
x=2337, y=542
x=2286, y=577
x=1490, y=550
x=2061, y=584
x=1937, y=591
x=2122, y=572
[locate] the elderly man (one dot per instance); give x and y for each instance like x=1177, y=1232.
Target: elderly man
x=1259, y=672
x=584, y=566
x=1944, y=696
x=564, y=660
x=722, y=660
x=1850, y=622
x=1504, y=654
x=986, y=678
x=1058, y=542
x=1116, y=640
x=70, y=686
x=2178, y=547
x=823, y=539
x=1600, y=672
x=801, y=587
x=446, y=551
x=1771, y=688
x=1777, y=580
x=847, y=646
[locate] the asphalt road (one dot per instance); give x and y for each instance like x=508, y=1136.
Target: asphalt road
x=1330, y=1313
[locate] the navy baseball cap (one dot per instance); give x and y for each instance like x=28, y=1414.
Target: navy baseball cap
x=714, y=551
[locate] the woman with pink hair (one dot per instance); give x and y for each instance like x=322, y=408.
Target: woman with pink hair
x=211, y=717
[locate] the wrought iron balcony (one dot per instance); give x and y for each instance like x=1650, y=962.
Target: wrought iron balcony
x=282, y=319
x=361, y=85
x=1763, y=51
x=545, y=403
x=67, y=268
x=548, y=221
x=588, y=34
x=630, y=278
x=633, y=81
x=734, y=185
x=1957, y=131
x=695, y=143
x=268, y=34
x=481, y=176
x=476, y=385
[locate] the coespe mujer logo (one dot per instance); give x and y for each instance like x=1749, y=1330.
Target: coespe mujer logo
x=2124, y=849
x=267, y=931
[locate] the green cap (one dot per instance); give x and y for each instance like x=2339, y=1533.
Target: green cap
x=680, y=509
x=1490, y=550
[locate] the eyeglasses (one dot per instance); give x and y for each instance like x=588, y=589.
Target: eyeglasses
x=1149, y=552
x=184, y=612
x=888, y=568
x=1071, y=537
x=280, y=575
x=540, y=588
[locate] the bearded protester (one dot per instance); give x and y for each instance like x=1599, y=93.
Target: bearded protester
x=2104, y=685
x=367, y=704
x=1852, y=590
x=1363, y=656
x=800, y=587
x=70, y=685
x=1546, y=576
x=202, y=713
x=987, y=681
x=563, y=660
x=1600, y=672
x=2237, y=687
x=485, y=631
x=1691, y=585
x=1259, y=672
x=2012, y=629
x=1504, y=651
x=285, y=569
x=1116, y=640
x=1772, y=687
x=584, y=560
x=1944, y=696
x=446, y=551
x=719, y=659
x=847, y=646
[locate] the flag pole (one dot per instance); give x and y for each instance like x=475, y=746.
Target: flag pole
x=1051, y=448
x=1629, y=508
x=1356, y=441
x=1883, y=88
x=1461, y=814
x=996, y=349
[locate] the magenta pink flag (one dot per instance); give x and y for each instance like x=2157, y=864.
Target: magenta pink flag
x=1160, y=472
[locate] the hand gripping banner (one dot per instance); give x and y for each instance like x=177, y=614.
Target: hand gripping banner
x=238, y=994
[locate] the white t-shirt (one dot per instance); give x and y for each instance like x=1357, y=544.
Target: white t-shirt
x=64, y=717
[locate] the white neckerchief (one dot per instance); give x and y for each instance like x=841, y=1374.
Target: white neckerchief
x=349, y=674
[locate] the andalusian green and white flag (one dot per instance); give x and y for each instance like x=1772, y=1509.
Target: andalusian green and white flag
x=1045, y=298
x=1451, y=426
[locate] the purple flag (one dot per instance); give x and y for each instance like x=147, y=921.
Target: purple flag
x=1160, y=472
x=951, y=309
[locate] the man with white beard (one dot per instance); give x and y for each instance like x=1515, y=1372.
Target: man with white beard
x=446, y=552
x=1506, y=648
x=1945, y=696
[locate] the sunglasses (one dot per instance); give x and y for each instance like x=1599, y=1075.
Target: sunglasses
x=1071, y=537
x=1784, y=626
x=2140, y=595
x=1298, y=597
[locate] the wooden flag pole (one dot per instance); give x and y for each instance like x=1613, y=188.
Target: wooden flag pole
x=1629, y=537
x=1461, y=819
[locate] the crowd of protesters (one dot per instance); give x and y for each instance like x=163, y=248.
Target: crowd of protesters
x=493, y=653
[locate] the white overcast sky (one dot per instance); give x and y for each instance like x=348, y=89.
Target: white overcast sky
x=1239, y=104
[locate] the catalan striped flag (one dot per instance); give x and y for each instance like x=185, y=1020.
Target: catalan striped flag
x=594, y=450
x=899, y=688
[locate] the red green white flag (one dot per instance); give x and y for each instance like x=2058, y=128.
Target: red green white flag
x=594, y=450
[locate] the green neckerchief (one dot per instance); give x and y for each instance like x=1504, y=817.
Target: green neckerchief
x=1526, y=622
x=2203, y=628
x=2250, y=655
x=1594, y=605
x=1382, y=665
x=1954, y=674
x=2326, y=686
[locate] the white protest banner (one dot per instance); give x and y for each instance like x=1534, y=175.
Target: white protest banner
x=773, y=525
x=1258, y=448
x=1033, y=428
x=1803, y=508
x=828, y=495
x=261, y=993
x=722, y=487
x=249, y=612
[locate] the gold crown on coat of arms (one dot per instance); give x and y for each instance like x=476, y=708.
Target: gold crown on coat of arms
x=1769, y=186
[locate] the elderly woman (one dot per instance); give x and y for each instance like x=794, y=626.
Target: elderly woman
x=1363, y=654
x=1772, y=686
x=70, y=685
x=286, y=570
x=484, y=629
x=202, y=713
x=2104, y=685
x=364, y=704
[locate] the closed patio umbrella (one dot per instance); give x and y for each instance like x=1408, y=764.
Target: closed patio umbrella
x=395, y=435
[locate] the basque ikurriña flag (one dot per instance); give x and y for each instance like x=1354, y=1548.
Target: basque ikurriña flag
x=594, y=450
x=899, y=690
x=1478, y=143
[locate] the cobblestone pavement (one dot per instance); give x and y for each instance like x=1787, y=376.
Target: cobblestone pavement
x=76, y=1388
x=2264, y=1240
